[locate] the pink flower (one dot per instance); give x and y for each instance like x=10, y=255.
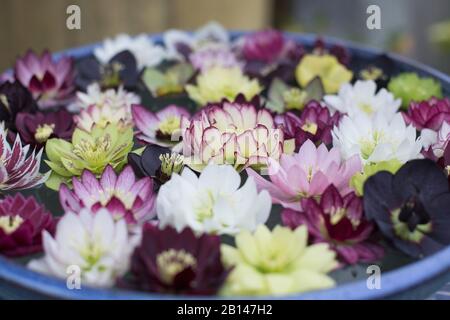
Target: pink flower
x=428, y=114
x=122, y=195
x=102, y=116
x=161, y=128
x=213, y=56
x=307, y=174
x=266, y=45
x=338, y=221
x=50, y=82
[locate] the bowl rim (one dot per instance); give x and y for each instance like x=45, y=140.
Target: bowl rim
x=393, y=282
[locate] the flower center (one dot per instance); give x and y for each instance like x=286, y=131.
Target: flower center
x=171, y=163
x=336, y=215
x=171, y=262
x=92, y=151
x=366, y=107
x=111, y=75
x=9, y=224
x=169, y=125
x=91, y=254
x=43, y=132
x=294, y=98
x=368, y=145
x=310, y=127
x=205, y=208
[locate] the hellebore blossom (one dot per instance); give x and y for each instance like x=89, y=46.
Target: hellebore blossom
x=22, y=221
x=220, y=83
x=162, y=128
x=429, y=114
x=116, y=99
x=102, y=116
x=37, y=128
x=408, y=86
x=212, y=202
x=326, y=67
x=411, y=208
x=123, y=196
x=168, y=261
x=14, y=98
x=276, y=262
x=362, y=97
x=98, y=245
x=266, y=45
x=314, y=123
x=146, y=53
x=339, y=221
x=92, y=151
x=377, y=139
x=51, y=82
x=306, y=174
x=214, y=56
x=19, y=169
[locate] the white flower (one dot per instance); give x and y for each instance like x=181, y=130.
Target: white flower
x=436, y=140
x=98, y=245
x=377, y=139
x=116, y=99
x=213, y=202
x=362, y=98
x=147, y=53
x=210, y=34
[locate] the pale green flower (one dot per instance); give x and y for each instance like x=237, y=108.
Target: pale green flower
x=93, y=151
x=218, y=83
x=276, y=263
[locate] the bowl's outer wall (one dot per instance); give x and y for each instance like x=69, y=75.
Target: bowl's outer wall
x=414, y=281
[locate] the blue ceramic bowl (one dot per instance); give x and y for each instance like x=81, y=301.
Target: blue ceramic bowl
x=411, y=280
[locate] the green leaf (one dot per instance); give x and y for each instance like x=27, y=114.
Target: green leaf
x=315, y=90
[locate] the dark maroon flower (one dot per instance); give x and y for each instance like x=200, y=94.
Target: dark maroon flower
x=51, y=82
x=36, y=129
x=340, y=52
x=22, y=221
x=170, y=262
x=265, y=45
x=411, y=208
x=315, y=123
x=428, y=114
x=338, y=221
x=14, y=98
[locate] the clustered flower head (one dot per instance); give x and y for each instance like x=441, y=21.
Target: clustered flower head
x=211, y=163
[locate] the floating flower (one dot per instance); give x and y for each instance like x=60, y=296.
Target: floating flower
x=411, y=207
x=170, y=81
x=266, y=45
x=377, y=139
x=123, y=196
x=409, y=87
x=146, y=53
x=92, y=151
x=277, y=262
x=162, y=128
x=237, y=133
x=121, y=70
x=314, y=123
x=212, y=202
x=14, y=98
x=102, y=116
x=168, y=261
x=116, y=99
x=37, y=128
x=362, y=97
x=51, y=82
x=19, y=169
x=428, y=114
x=326, y=67
x=214, y=56
x=339, y=221
x=22, y=221
x=220, y=83
x=306, y=174
x=98, y=245
x=180, y=44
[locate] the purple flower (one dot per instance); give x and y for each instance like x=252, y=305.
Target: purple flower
x=266, y=45
x=37, y=128
x=339, y=221
x=428, y=114
x=122, y=195
x=51, y=82
x=22, y=221
x=170, y=262
x=315, y=123
x=210, y=57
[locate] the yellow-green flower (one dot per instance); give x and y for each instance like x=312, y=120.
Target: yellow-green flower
x=358, y=180
x=326, y=67
x=277, y=262
x=93, y=151
x=217, y=83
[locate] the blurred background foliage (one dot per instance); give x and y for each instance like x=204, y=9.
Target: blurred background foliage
x=415, y=28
